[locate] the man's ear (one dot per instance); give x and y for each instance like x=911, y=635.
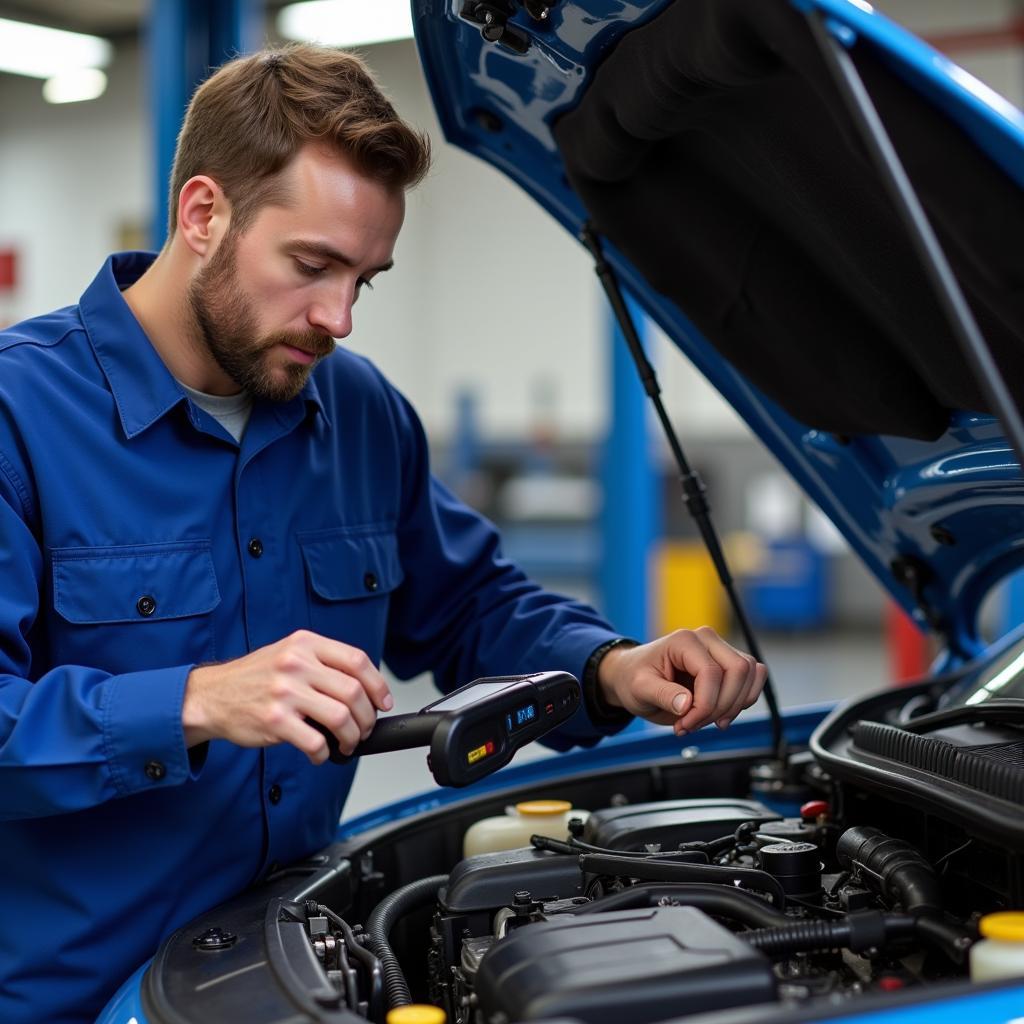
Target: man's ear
x=203, y=214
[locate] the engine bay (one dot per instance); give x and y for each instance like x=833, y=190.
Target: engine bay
x=712, y=887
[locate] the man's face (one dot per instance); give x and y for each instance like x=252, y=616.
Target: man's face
x=270, y=302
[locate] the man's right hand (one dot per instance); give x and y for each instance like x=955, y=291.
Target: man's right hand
x=265, y=697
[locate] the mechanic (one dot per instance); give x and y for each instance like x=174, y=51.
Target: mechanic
x=214, y=525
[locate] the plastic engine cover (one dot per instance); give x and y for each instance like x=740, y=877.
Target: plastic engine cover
x=635, y=966
x=671, y=822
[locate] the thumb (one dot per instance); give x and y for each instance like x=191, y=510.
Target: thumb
x=661, y=694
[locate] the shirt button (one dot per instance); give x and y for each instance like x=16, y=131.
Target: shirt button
x=274, y=794
x=370, y=581
x=155, y=771
x=255, y=547
x=146, y=605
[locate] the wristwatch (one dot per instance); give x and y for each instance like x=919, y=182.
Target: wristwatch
x=600, y=711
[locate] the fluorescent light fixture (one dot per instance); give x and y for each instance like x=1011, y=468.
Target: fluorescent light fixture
x=75, y=86
x=346, y=22
x=47, y=52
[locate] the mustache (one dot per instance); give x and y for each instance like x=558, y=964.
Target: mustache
x=309, y=341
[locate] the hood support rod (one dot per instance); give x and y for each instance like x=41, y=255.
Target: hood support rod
x=694, y=493
x=903, y=196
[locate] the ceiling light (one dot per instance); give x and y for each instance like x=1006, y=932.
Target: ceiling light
x=46, y=52
x=75, y=86
x=346, y=22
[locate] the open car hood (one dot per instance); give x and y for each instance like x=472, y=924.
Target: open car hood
x=707, y=144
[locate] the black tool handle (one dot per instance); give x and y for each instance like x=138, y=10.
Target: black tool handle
x=396, y=732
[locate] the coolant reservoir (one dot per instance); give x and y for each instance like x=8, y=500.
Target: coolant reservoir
x=417, y=1013
x=513, y=829
x=1000, y=951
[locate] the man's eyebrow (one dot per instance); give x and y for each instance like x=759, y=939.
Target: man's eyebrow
x=319, y=250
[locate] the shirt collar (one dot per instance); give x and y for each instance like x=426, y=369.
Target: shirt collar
x=142, y=386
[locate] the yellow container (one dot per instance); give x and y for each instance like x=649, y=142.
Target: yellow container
x=687, y=591
x=417, y=1013
x=1000, y=952
x=512, y=830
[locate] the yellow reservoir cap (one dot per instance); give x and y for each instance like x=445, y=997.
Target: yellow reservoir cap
x=417, y=1013
x=1006, y=926
x=544, y=807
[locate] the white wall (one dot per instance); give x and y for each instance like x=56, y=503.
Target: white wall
x=70, y=176
x=487, y=292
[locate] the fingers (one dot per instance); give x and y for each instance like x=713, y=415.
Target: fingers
x=348, y=694
x=357, y=664
x=331, y=683
x=335, y=716
x=716, y=695
x=305, y=738
x=698, y=679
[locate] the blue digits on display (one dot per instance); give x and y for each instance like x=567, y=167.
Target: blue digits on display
x=520, y=717
x=526, y=714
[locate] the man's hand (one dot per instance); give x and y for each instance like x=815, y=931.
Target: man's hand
x=686, y=679
x=265, y=697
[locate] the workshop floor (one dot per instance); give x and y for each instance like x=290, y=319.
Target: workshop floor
x=806, y=670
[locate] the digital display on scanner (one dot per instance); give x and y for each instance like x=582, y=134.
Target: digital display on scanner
x=521, y=716
x=470, y=695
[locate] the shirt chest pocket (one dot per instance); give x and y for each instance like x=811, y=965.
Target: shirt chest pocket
x=134, y=607
x=350, y=575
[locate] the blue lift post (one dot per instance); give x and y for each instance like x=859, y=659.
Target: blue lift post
x=630, y=514
x=185, y=40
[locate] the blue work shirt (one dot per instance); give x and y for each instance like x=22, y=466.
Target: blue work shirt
x=128, y=527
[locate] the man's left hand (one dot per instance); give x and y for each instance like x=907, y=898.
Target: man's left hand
x=685, y=679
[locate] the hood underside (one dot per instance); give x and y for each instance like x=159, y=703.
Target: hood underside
x=706, y=142
x=732, y=178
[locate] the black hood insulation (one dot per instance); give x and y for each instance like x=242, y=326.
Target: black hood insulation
x=713, y=150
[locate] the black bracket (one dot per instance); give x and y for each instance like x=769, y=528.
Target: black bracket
x=914, y=575
x=493, y=18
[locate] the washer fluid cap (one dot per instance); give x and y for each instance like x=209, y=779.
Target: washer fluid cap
x=544, y=807
x=417, y=1013
x=1006, y=926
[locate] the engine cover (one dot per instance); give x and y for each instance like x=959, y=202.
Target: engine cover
x=627, y=965
x=670, y=822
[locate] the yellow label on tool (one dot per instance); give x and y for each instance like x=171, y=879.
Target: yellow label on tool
x=482, y=751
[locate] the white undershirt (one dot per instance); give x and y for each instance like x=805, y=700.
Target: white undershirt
x=230, y=411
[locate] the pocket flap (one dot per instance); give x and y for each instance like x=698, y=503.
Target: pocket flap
x=349, y=563
x=134, y=583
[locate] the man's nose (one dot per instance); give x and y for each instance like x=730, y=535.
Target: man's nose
x=334, y=318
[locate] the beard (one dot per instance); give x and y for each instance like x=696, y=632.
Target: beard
x=226, y=323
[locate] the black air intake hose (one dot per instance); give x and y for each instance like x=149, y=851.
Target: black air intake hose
x=858, y=931
x=893, y=868
x=378, y=931
x=718, y=900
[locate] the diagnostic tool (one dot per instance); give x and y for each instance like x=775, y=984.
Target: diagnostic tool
x=477, y=728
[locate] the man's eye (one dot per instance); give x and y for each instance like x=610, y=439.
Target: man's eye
x=308, y=269
x=363, y=283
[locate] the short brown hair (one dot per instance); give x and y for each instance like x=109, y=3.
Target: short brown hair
x=251, y=116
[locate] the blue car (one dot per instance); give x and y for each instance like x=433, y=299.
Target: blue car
x=826, y=217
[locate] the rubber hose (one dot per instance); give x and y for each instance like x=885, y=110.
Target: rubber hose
x=894, y=867
x=858, y=932
x=721, y=900
x=386, y=914
x=669, y=871
x=396, y=988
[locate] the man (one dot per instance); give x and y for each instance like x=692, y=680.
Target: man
x=213, y=526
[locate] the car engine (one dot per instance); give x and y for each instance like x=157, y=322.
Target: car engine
x=663, y=910
x=676, y=908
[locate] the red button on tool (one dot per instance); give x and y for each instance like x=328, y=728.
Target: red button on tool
x=890, y=983
x=813, y=810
